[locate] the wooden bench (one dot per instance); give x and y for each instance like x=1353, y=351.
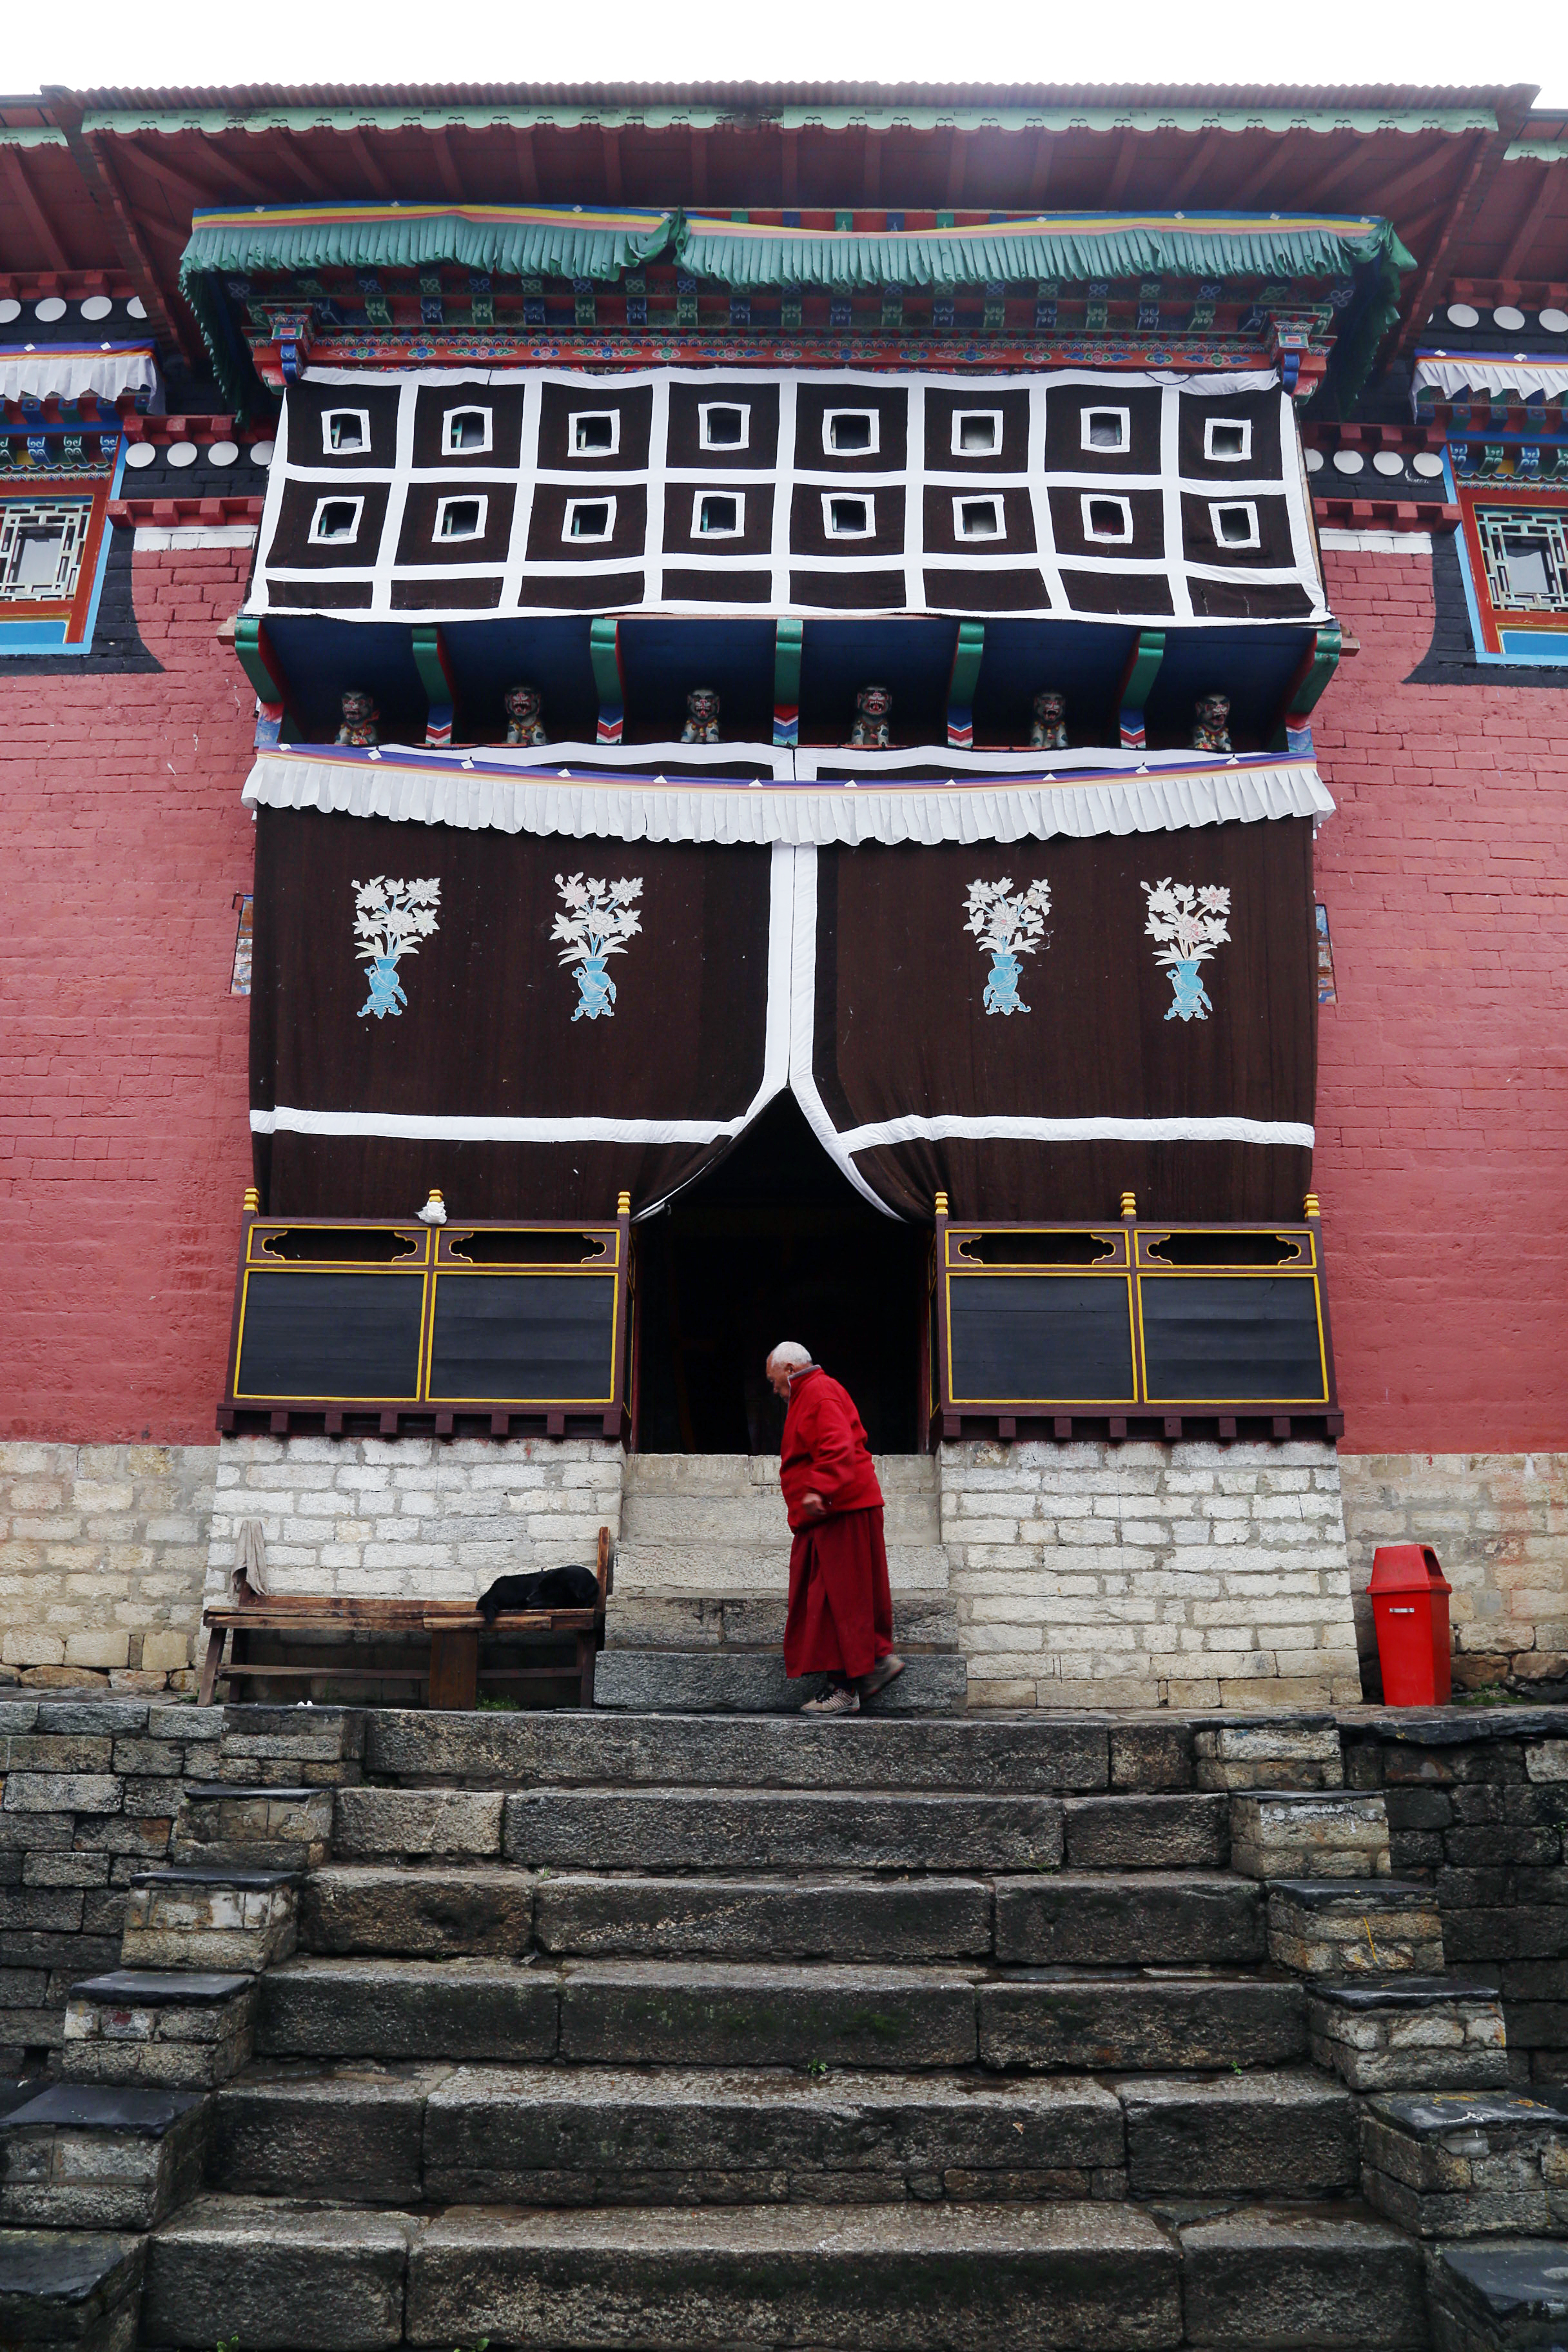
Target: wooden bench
x=452, y=1627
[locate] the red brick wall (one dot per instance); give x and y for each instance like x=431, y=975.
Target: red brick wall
x=123, y=1145
x=1442, y=1101
x=1442, y=1156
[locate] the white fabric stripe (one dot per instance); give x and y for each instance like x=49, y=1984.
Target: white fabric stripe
x=419, y=1128
x=1000, y=1129
x=687, y=810
x=803, y=1030
x=1171, y=501
x=1376, y=543
x=259, y=600
x=1298, y=497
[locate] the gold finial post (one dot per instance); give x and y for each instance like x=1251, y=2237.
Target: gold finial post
x=434, y=1212
x=942, y=1204
x=1309, y=1206
x=252, y=1201
x=623, y=1204
x=1129, y=1206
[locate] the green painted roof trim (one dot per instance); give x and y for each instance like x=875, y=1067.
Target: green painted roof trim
x=22, y=136
x=513, y=241
x=1069, y=247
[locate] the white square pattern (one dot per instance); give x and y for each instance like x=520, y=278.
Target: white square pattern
x=1184, y=490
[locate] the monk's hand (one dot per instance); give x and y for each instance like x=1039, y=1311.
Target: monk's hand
x=813, y=1506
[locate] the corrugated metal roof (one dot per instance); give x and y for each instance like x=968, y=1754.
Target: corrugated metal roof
x=750, y=97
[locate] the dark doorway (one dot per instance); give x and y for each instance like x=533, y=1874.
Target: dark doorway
x=775, y=1244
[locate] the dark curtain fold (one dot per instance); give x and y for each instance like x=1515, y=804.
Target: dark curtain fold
x=902, y=1028
x=486, y=1031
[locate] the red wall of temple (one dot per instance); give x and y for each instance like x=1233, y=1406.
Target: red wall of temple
x=123, y=1146
x=1442, y=1157
x=1442, y=1099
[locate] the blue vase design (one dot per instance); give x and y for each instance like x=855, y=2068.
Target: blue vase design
x=597, y=990
x=1002, y=988
x=1191, y=998
x=385, y=989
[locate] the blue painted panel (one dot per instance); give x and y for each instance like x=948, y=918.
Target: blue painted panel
x=662, y=660
x=486, y=658
x=321, y=659
x=36, y=637
x=914, y=658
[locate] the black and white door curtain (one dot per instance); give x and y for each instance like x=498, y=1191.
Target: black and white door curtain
x=534, y=1025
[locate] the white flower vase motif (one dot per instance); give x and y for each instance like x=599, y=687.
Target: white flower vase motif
x=391, y=917
x=1008, y=925
x=600, y=918
x=1188, y=923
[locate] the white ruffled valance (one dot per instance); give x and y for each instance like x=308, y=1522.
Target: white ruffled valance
x=1000, y=797
x=65, y=371
x=1516, y=379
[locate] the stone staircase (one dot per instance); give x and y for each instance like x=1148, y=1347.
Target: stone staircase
x=702, y=1578
x=664, y=2032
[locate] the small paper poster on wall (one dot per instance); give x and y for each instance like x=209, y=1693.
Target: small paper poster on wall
x=1326, y=995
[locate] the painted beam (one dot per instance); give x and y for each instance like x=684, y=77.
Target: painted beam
x=1292, y=730
x=1137, y=683
x=435, y=678
x=261, y=666
x=604, y=647
x=787, y=638
x=967, y=654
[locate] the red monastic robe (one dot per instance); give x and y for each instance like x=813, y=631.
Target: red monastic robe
x=840, y=1617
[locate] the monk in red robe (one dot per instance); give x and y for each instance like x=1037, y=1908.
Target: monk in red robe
x=840, y=1621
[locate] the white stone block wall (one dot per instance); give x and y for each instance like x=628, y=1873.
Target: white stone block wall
x=1088, y=1574
x=1498, y=1524
x=102, y=1552
x=424, y=1517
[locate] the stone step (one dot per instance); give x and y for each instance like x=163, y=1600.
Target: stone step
x=841, y=1918
x=1270, y=2276
x=630, y=2013
x=1260, y=2135
x=1337, y=1927
x=1061, y=2021
x=721, y=1829
x=1409, y=2033
x=711, y=1567
x=1498, y=2297
x=435, y=1912
x=949, y=2278
x=79, y=2156
x=1136, y=1919
x=663, y=2135
x=1025, y=1755
x=210, y=1918
x=755, y=1621
x=1468, y=2164
x=75, y=2288
x=159, y=2029
x=257, y=1828
x=700, y=1681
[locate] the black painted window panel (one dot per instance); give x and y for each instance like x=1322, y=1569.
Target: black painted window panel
x=331, y=1335
x=1231, y=1336
x=520, y=1337
x=1051, y=1337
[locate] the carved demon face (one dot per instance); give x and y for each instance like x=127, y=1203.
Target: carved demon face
x=874, y=702
x=702, y=705
x=359, y=708
x=1051, y=709
x=1214, y=709
x=523, y=704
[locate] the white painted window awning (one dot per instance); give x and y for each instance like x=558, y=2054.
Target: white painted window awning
x=589, y=792
x=65, y=371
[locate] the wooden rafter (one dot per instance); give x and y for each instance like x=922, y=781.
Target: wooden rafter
x=1390, y=194
x=789, y=169
x=610, y=147
x=189, y=192
x=527, y=165
x=1194, y=167
x=1355, y=158
x=1472, y=186
x=1122, y=170
x=957, y=166
x=1525, y=234
x=38, y=220
x=364, y=153
x=697, y=153
x=870, y=166
x=1040, y=169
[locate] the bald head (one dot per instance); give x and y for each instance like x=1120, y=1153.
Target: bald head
x=788, y=1357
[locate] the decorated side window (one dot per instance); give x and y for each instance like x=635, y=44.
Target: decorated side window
x=42, y=542
x=344, y=431
x=465, y=432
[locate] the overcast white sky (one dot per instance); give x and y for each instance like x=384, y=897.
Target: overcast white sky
x=191, y=43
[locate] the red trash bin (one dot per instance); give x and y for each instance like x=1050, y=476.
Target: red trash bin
x=1410, y=1610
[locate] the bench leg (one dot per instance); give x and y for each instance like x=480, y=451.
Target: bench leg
x=587, y=1653
x=454, y=1670
x=211, y=1662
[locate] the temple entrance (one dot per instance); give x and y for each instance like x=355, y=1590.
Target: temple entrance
x=773, y=1244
